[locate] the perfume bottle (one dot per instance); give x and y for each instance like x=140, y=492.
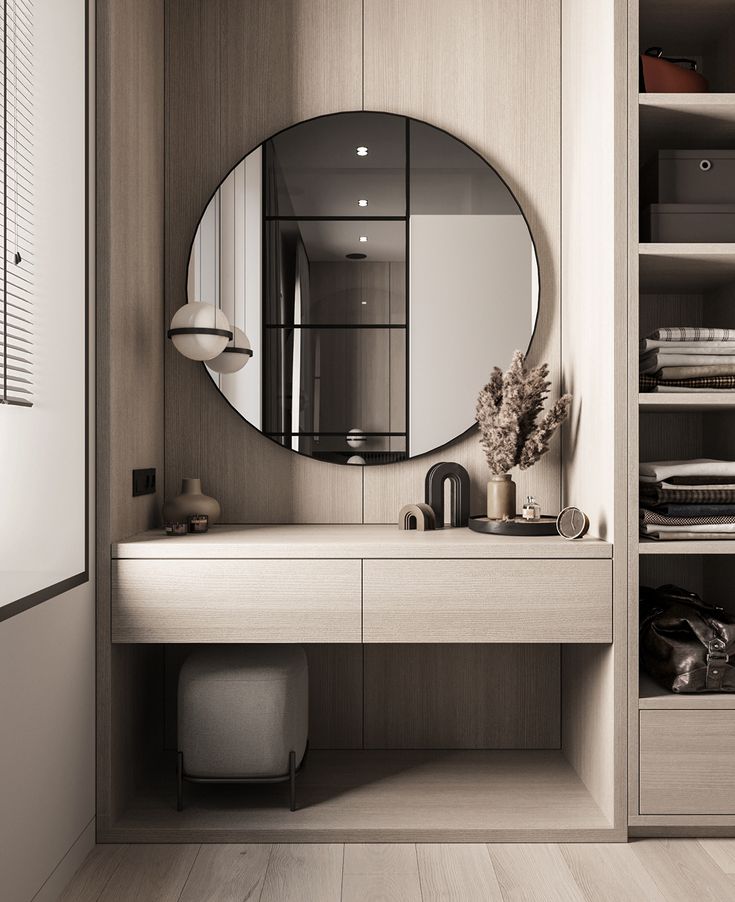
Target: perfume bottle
x=531, y=509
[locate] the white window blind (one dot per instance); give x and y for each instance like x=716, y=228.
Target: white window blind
x=16, y=203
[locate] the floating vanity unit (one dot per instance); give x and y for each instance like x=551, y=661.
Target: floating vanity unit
x=459, y=682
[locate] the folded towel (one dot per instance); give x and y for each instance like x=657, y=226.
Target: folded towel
x=655, y=494
x=658, y=470
x=649, y=517
x=695, y=372
x=687, y=347
x=708, y=528
x=684, y=535
x=696, y=510
x=655, y=361
x=692, y=333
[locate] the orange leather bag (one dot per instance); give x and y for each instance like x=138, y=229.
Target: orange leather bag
x=670, y=75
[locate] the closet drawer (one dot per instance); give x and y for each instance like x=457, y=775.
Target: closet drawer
x=236, y=601
x=686, y=762
x=487, y=601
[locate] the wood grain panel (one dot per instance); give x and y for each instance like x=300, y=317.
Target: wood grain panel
x=457, y=65
x=236, y=73
x=129, y=349
x=335, y=696
x=674, y=776
x=236, y=601
x=487, y=601
x=462, y=696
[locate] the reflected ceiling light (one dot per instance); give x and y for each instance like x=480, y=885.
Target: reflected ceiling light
x=356, y=256
x=363, y=238
x=361, y=151
x=234, y=357
x=362, y=202
x=364, y=303
x=200, y=331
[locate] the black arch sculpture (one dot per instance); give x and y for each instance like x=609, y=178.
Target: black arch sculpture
x=459, y=480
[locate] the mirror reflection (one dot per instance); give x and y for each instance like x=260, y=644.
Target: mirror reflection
x=380, y=269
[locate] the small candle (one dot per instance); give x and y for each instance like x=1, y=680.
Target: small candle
x=177, y=529
x=199, y=523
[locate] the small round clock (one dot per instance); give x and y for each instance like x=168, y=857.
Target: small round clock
x=572, y=523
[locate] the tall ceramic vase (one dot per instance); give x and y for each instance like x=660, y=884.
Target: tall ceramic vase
x=191, y=501
x=501, y=498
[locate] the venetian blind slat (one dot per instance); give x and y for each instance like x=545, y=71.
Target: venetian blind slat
x=17, y=324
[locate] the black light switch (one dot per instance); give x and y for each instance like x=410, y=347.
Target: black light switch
x=144, y=482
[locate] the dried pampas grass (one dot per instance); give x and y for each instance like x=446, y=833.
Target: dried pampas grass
x=507, y=410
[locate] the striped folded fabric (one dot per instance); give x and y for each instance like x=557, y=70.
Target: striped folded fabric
x=692, y=333
x=648, y=383
x=653, y=493
x=695, y=510
x=649, y=517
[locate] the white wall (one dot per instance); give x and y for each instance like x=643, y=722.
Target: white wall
x=473, y=299
x=47, y=653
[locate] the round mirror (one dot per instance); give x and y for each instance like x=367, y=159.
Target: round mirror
x=379, y=268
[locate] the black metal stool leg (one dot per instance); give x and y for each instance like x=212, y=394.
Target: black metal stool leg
x=292, y=778
x=180, y=781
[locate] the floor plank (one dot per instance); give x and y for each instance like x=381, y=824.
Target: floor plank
x=227, y=873
x=380, y=872
x=154, y=873
x=533, y=873
x=684, y=871
x=92, y=877
x=460, y=872
x=610, y=872
x=304, y=873
x=722, y=852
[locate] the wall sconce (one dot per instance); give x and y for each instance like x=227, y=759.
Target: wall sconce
x=200, y=331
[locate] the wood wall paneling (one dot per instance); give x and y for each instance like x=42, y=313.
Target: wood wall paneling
x=235, y=74
x=129, y=390
x=488, y=73
x=462, y=696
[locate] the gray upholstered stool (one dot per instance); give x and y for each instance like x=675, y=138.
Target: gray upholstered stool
x=242, y=715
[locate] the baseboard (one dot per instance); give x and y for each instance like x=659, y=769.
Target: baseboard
x=58, y=879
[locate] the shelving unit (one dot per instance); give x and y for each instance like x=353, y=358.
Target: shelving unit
x=690, y=284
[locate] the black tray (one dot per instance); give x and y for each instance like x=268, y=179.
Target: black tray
x=546, y=526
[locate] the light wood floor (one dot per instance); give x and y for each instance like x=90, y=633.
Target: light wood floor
x=649, y=870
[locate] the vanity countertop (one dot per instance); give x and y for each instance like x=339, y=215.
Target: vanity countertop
x=350, y=541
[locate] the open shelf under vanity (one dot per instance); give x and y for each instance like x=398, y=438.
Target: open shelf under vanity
x=380, y=795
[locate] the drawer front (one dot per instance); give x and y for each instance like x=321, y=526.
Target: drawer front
x=487, y=601
x=687, y=762
x=236, y=601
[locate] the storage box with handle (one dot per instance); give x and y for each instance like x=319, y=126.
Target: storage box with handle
x=689, y=177
x=685, y=223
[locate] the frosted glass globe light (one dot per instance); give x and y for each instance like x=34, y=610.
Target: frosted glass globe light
x=199, y=331
x=235, y=355
x=356, y=438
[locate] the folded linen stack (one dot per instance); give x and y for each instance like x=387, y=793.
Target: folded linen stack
x=687, y=499
x=688, y=358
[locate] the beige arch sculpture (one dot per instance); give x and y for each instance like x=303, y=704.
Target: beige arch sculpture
x=417, y=516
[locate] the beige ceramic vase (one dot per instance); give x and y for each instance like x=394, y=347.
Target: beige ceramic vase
x=191, y=501
x=501, y=498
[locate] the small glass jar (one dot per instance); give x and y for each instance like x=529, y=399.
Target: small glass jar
x=531, y=509
x=199, y=523
x=177, y=529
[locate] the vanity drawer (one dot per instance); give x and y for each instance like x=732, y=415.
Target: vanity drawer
x=686, y=762
x=487, y=601
x=236, y=601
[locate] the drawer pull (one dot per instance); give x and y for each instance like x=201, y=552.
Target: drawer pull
x=705, y=165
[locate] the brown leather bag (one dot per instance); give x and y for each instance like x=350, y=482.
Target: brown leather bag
x=686, y=645
x=670, y=75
